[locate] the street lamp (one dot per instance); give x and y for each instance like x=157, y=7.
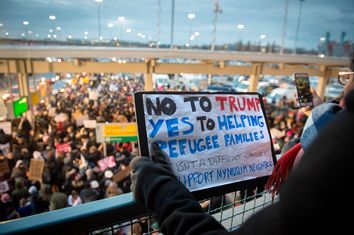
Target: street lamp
x=52, y=18
x=99, y=17
x=217, y=10
x=128, y=30
x=121, y=20
x=298, y=25
x=240, y=27
x=25, y=23
x=262, y=37
x=285, y=23
x=110, y=25
x=190, y=16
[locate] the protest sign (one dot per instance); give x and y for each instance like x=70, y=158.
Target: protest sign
x=121, y=174
x=5, y=148
x=79, y=118
x=93, y=95
x=106, y=162
x=91, y=124
x=212, y=139
x=4, y=186
x=6, y=127
x=4, y=167
x=36, y=169
x=116, y=132
x=63, y=148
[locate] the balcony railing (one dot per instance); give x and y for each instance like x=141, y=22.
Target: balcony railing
x=121, y=214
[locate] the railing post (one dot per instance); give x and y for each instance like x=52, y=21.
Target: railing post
x=22, y=78
x=256, y=72
x=148, y=76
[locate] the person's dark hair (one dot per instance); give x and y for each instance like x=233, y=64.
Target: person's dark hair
x=352, y=59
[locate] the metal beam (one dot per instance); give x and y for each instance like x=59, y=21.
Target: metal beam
x=141, y=67
x=35, y=52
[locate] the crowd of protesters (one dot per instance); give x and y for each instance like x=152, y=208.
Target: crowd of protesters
x=69, y=177
x=74, y=177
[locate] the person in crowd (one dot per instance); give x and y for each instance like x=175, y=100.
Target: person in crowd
x=6, y=207
x=304, y=206
x=90, y=193
x=322, y=113
x=74, y=199
x=19, y=170
x=20, y=191
x=58, y=200
x=26, y=141
x=25, y=208
x=113, y=190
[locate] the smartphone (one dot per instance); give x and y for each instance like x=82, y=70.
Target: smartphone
x=302, y=83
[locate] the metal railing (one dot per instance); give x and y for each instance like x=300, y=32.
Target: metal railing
x=120, y=215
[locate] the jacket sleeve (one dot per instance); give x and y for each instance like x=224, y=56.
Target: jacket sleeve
x=177, y=211
x=310, y=199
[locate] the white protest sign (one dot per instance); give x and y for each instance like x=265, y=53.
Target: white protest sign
x=6, y=127
x=4, y=186
x=93, y=95
x=211, y=139
x=90, y=124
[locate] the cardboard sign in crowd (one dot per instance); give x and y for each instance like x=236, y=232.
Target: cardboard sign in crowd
x=212, y=139
x=36, y=169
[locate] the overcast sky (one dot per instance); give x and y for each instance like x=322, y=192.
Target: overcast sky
x=75, y=17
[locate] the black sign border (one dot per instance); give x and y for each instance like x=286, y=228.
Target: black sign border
x=209, y=192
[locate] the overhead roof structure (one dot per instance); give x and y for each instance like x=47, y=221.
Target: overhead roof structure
x=29, y=52
x=72, y=59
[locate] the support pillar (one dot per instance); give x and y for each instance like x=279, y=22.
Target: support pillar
x=257, y=69
x=323, y=80
x=148, y=76
x=22, y=78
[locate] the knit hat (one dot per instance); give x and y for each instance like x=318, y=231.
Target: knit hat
x=5, y=198
x=37, y=155
x=94, y=184
x=318, y=118
x=108, y=174
x=18, y=163
x=33, y=190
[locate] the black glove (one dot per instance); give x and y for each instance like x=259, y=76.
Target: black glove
x=156, y=187
x=148, y=174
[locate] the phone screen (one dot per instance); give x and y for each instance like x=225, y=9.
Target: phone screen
x=302, y=83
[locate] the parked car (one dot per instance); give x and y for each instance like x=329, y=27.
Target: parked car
x=215, y=88
x=15, y=94
x=333, y=90
x=263, y=87
x=243, y=86
x=275, y=95
x=161, y=81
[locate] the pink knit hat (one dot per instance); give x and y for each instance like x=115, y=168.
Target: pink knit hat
x=5, y=198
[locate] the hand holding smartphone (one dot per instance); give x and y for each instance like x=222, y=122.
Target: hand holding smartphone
x=304, y=94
